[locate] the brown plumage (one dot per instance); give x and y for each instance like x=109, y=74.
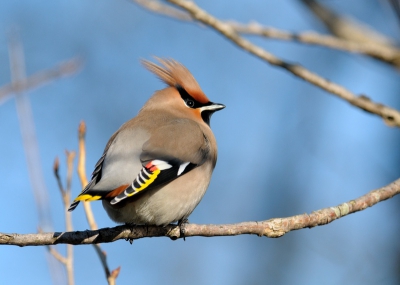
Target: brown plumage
x=166, y=155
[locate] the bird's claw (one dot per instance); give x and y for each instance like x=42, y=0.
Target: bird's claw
x=181, y=224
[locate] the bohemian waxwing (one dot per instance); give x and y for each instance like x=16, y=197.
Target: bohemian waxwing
x=156, y=168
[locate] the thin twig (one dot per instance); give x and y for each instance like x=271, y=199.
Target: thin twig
x=68, y=261
x=30, y=143
x=346, y=28
x=68, y=217
x=27, y=127
x=349, y=29
x=56, y=254
x=272, y=228
x=111, y=276
x=103, y=259
x=82, y=174
x=70, y=167
x=386, y=53
x=40, y=78
x=160, y=8
x=390, y=115
x=20, y=84
x=56, y=170
x=396, y=7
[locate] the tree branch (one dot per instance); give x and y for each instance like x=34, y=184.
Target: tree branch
x=111, y=276
x=386, y=53
x=40, y=78
x=390, y=115
x=382, y=51
x=345, y=27
x=162, y=9
x=57, y=255
x=82, y=174
x=67, y=261
x=271, y=228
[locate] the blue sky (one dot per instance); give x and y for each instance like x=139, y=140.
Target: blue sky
x=285, y=147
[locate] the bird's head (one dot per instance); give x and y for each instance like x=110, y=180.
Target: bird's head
x=183, y=94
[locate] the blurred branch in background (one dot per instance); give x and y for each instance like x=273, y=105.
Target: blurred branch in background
x=346, y=28
x=65, y=192
x=386, y=53
x=381, y=49
x=396, y=7
x=271, y=228
x=372, y=42
x=20, y=84
x=389, y=115
x=68, y=260
x=82, y=173
x=27, y=127
x=160, y=8
x=24, y=110
x=111, y=276
x=40, y=78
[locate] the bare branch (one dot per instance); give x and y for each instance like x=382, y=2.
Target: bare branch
x=162, y=9
x=70, y=167
x=53, y=251
x=28, y=133
x=390, y=115
x=68, y=261
x=82, y=154
x=82, y=173
x=111, y=276
x=351, y=30
x=271, y=228
x=396, y=7
x=65, y=195
x=346, y=28
x=19, y=84
x=381, y=50
x=40, y=78
x=69, y=265
x=387, y=53
x=56, y=254
x=56, y=169
x=103, y=259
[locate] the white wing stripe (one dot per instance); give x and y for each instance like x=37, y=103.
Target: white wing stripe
x=161, y=165
x=182, y=167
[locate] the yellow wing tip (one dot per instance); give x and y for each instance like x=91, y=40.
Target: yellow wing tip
x=87, y=197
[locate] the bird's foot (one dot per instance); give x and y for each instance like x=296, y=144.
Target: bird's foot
x=130, y=226
x=181, y=224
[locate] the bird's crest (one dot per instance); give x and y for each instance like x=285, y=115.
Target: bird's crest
x=175, y=74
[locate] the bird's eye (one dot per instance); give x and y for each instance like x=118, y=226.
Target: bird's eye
x=190, y=103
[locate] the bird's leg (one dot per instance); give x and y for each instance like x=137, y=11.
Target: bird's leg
x=131, y=226
x=181, y=224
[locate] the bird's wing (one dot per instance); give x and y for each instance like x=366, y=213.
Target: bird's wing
x=96, y=176
x=171, y=151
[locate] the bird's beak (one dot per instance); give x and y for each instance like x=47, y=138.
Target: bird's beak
x=209, y=109
x=213, y=107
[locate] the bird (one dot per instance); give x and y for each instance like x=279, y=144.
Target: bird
x=156, y=167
